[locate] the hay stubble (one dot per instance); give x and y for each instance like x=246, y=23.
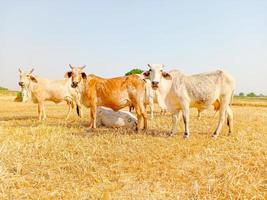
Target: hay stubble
x=60, y=159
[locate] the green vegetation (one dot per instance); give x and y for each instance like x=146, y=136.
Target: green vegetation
x=18, y=97
x=241, y=94
x=134, y=71
x=251, y=94
x=3, y=89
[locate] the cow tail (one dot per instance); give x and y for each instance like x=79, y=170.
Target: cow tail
x=78, y=110
x=232, y=98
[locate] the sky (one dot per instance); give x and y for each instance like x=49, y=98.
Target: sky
x=113, y=36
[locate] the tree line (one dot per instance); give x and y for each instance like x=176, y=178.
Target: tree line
x=251, y=94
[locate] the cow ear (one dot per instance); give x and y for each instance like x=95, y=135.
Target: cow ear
x=166, y=75
x=33, y=79
x=67, y=75
x=146, y=74
x=84, y=75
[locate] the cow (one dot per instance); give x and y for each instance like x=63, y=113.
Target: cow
x=109, y=118
x=151, y=97
x=115, y=93
x=179, y=92
x=42, y=90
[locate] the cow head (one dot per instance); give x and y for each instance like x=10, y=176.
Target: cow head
x=76, y=74
x=155, y=74
x=26, y=78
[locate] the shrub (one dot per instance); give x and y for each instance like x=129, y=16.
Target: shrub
x=18, y=97
x=134, y=71
x=251, y=94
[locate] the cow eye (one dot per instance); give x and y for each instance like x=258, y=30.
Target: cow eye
x=150, y=70
x=129, y=120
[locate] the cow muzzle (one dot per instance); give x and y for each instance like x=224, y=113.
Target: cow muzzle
x=74, y=84
x=155, y=85
x=21, y=84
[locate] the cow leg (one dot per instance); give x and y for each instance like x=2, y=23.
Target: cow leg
x=40, y=111
x=68, y=114
x=175, y=119
x=43, y=111
x=144, y=115
x=221, y=117
x=139, y=117
x=185, y=110
x=151, y=105
x=78, y=106
x=229, y=119
x=93, y=117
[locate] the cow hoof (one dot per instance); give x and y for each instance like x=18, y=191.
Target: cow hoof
x=214, y=136
x=186, y=136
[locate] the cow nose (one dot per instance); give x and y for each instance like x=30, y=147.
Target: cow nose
x=74, y=84
x=21, y=84
x=155, y=83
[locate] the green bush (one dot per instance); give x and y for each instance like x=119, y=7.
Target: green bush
x=18, y=97
x=3, y=89
x=251, y=94
x=134, y=71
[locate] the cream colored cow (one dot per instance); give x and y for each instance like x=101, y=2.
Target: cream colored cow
x=178, y=92
x=42, y=90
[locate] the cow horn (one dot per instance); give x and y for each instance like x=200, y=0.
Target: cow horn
x=70, y=66
x=20, y=70
x=83, y=67
x=163, y=65
x=149, y=65
x=31, y=70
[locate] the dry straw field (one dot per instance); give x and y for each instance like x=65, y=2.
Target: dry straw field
x=60, y=159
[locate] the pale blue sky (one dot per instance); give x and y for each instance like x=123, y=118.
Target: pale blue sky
x=113, y=36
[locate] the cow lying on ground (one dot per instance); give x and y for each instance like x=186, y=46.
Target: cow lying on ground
x=179, y=92
x=42, y=90
x=109, y=118
x=115, y=93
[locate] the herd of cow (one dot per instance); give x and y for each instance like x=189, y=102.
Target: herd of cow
x=173, y=91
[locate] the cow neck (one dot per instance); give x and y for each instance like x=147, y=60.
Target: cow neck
x=164, y=87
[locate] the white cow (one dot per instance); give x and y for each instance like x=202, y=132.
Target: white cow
x=42, y=90
x=109, y=118
x=178, y=92
x=151, y=96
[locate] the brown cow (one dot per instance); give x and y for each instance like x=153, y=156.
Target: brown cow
x=115, y=93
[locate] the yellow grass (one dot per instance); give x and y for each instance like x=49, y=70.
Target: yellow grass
x=61, y=159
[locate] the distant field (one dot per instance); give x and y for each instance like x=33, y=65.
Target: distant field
x=60, y=159
x=250, y=101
